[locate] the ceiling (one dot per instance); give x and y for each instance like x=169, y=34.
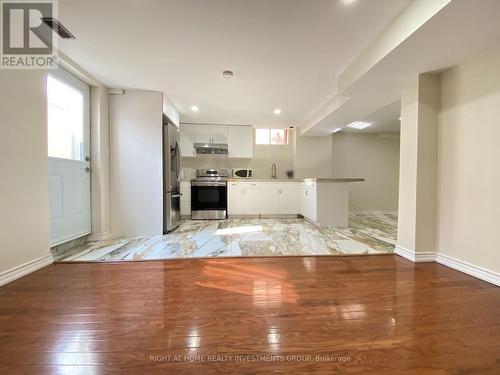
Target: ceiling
x=459, y=30
x=285, y=54
x=385, y=120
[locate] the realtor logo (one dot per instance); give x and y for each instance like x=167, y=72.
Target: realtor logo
x=27, y=42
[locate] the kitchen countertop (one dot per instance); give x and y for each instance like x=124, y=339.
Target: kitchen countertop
x=334, y=179
x=320, y=179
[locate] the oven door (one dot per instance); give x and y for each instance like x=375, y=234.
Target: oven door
x=208, y=200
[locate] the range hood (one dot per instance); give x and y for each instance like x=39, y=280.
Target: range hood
x=211, y=148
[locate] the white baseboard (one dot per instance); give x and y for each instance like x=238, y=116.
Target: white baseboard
x=24, y=269
x=380, y=212
x=457, y=264
x=470, y=269
x=99, y=236
x=419, y=257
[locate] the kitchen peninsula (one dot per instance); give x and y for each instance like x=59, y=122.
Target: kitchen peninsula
x=322, y=201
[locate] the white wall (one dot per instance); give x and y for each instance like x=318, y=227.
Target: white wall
x=468, y=199
x=136, y=163
x=374, y=157
x=24, y=209
x=263, y=158
x=313, y=156
x=418, y=161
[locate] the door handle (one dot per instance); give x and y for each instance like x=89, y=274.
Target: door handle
x=87, y=169
x=176, y=195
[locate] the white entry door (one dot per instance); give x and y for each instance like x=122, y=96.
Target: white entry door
x=68, y=122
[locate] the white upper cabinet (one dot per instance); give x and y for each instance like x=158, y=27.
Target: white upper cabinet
x=238, y=138
x=240, y=141
x=210, y=134
x=187, y=132
x=202, y=134
x=218, y=133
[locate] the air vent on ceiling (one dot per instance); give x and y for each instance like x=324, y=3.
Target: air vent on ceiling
x=58, y=28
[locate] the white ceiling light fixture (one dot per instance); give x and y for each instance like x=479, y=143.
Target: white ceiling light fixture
x=194, y=108
x=336, y=130
x=227, y=74
x=348, y=2
x=277, y=111
x=359, y=125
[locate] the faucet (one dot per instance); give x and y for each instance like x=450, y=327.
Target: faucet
x=273, y=171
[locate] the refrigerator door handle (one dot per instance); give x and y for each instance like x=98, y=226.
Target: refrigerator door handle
x=178, y=160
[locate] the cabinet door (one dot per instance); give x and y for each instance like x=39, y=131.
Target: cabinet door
x=289, y=201
x=235, y=203
x=302, y=201
x=218, y=133
x=310, y=203
x=314, y=212
x=269, y=201
x=202, y=134
x=240, y=141
x=187, y=140
x=307, y=202
x=252, y=201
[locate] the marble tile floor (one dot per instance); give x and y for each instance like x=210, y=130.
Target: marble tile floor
x=366, y=234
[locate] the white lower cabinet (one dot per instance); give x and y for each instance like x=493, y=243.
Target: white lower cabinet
x=252, y=200
x=308, y=201
x=279, y=198
x=324, y=203
x=185, y=198
x=243, y=198
x=289, y=199
x=269, y=199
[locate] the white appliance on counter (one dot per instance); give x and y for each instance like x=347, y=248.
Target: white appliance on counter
x=242, y=173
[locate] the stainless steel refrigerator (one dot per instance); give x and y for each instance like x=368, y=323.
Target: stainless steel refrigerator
x=171, y=176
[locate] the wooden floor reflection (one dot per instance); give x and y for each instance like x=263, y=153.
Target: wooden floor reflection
x=369, y=314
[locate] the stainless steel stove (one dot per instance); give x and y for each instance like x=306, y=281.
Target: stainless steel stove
x=209, y=194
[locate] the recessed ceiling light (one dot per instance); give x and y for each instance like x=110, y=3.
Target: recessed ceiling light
x=277, y=111
x=348, y=2
x=194, y=108
x=227, y=74
x=359, y=124
x=336, y=130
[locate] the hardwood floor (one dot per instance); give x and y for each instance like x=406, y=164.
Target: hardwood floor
x=361, y=315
